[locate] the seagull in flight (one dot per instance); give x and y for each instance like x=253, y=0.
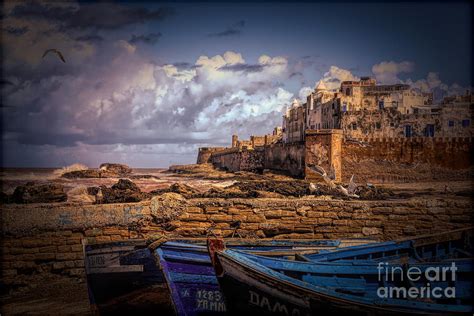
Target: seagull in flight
x=57, y=52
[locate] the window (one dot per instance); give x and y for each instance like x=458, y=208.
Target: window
x=381, y=105
x=344, y=107
x=429, y=130
x=408, y=132
x=450, y=123
x=465, y=123
x=377, y=125
x=348, y=91
x=354, y=126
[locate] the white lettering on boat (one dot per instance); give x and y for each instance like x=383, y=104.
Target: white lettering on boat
x=274, y=307
x=210, y=301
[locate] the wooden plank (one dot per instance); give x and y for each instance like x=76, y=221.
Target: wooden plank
x=116, y=269
x=114, y=249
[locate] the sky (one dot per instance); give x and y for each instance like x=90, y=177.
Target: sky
x=147, y=84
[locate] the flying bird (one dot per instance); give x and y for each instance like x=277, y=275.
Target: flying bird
x=344, y=191
x=57, y=52
x=320, y=170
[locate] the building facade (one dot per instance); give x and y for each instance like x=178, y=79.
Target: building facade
x=363, y=109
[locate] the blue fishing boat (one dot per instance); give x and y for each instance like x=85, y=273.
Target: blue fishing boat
x=374, y=279
x=191, y=278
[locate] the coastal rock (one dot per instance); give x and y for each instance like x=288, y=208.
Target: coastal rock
x=167, y=207
x=115, y=168
x=106, y=170
x=124, y=191
x=180, y=188
x=79, y=174
x=39, y=193
x=287, y=188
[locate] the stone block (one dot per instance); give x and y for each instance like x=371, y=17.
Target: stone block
x=66, y=256
x=273, y=214
x=324, y=221
x=195, y=217
x=93, y=232
x=45, y=256
x=76, y=248
x=213, y=210
x=64, y=248
x=72, y=241
x=255, y=219
x=303, y=229
x=48, y=249
x=368, y=231
x=194, y=210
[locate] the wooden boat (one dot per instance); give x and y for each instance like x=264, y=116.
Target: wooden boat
x=123, y=277
x=347, y=280
x=191, y=278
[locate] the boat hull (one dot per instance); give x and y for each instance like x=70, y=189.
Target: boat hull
x=123, y=277
x=248, y=291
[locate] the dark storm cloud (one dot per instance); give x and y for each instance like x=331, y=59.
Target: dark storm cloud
x=97, y=16
x=150, y=39
x=182, y=65
x=17, y=31
x=243, y=67
x=56, y=139
x=233, y=30
x=90, y=38
x=5, y=82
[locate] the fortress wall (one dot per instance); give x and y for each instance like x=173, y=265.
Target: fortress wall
x=288, y=158
x=49, y=238
x=205, y=153
x=237, y=159
x=452, y=153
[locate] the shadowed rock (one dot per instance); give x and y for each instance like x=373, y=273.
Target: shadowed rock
x=106, y=170
x=39, y=193
x=115, y=168
x=123, y=191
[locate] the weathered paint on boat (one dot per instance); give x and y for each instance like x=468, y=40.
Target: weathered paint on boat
x=270, y=286
x=124, y=277
x=191, y=278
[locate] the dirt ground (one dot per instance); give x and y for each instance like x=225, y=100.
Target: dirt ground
x=50, y=295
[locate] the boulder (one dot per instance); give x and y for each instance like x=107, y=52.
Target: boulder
x=106, y=170
x=78, y=174
x=115, y=168
x=167, y=207
x=124, y=191
x=125, y=184
x=39, y=193
x=180, y=188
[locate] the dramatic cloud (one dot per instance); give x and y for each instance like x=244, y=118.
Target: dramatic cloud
x=387, y=72
x=150, y=39
x=17, y=31
x=433, y=84
x=333, y=78
x=86, y=16
x=126, y=101
x=233, y=30
x=304, y=92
